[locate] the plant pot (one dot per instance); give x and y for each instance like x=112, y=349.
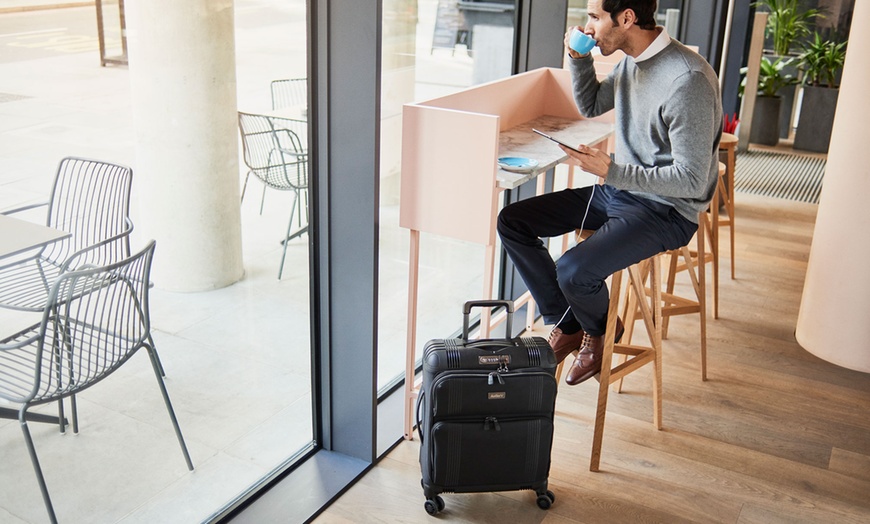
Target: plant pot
x=765, y=120
x=816, y=119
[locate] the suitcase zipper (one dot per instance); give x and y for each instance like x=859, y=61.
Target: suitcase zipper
x=491, y=376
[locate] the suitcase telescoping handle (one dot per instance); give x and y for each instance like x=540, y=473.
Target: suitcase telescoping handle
x=466, y=313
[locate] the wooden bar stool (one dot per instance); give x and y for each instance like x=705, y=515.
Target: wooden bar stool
x=694, y=263
x=634, y=356
x=728, y=145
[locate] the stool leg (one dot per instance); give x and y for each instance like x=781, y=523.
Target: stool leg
x=729, y=206
x=669, y=289
x=653, y=321
x=702, y=292
x=650, y=307
x=656, y=342
x=629, y=314
x=559, y=371
x=712, y=228
x=606, y=366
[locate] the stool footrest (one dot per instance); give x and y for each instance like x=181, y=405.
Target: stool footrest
x=673, y=311
x=673, y=300
x=644, y=356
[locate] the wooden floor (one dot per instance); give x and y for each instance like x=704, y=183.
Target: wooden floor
x=775, y=436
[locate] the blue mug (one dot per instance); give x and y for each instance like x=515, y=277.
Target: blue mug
x=581, y=42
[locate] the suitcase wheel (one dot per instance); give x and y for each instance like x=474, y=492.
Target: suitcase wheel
x=546, y=500
x=435, y=505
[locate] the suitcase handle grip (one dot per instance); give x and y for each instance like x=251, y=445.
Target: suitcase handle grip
x=466, y=313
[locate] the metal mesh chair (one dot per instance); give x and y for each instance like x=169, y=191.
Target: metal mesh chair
x=276, y=157
x=91, y=200
x=95, y=319
x=289, y=92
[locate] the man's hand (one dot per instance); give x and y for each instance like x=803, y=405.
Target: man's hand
x=590, y=159
x=571, y=52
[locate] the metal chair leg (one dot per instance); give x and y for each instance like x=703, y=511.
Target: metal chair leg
x=287, y=236
x=36, y=468
x=75, y=414
x=151, y=343
x=61, y=419
x=263, y=199
x=155, y=364
x=245, y=185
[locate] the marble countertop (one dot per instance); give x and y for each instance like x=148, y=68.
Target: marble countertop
x=521, y=141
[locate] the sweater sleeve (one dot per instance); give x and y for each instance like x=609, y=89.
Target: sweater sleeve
x=688, y=117
x=593, y=98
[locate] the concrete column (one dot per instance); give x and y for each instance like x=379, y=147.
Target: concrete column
x=186, y=174
x=832, y=323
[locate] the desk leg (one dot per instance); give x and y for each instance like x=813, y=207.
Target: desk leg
x=566, y=238
x=410, y=352
x=488, y=276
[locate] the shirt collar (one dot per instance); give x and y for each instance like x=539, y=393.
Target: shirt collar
x=656, y=46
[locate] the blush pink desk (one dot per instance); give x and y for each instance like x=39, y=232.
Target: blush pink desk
x=450, y=179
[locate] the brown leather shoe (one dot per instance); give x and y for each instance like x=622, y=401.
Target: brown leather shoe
x=563, y=344
x=588, y=362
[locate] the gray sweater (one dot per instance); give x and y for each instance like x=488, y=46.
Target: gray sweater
x=668, y=124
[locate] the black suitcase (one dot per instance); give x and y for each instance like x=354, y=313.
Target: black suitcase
x=485, y=414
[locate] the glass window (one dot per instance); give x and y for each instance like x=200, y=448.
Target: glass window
x=431, y=48
x=669, y=15
x=237, y=359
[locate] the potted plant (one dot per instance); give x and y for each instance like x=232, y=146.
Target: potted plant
x=821, y=63
x=787, y=24
x=772, y=77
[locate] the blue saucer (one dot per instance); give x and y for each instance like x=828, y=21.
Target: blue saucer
x=517, y=164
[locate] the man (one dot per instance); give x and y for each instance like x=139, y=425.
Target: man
x=664, y=171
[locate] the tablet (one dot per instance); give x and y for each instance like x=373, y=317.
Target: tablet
x=545, y=135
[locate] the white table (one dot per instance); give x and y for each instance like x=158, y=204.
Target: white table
x=299, y=112
x=16, y=237
x=19, y=236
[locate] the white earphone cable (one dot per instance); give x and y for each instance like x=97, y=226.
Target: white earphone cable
x=582, y=223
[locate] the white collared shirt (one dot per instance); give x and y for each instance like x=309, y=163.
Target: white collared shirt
x=656, y=46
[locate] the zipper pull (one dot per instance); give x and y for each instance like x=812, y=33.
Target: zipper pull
x=491, y=422
x=493, y=376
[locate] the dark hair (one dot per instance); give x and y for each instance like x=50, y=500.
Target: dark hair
x=644, y=9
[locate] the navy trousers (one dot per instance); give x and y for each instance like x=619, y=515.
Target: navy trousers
x=628, y=229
